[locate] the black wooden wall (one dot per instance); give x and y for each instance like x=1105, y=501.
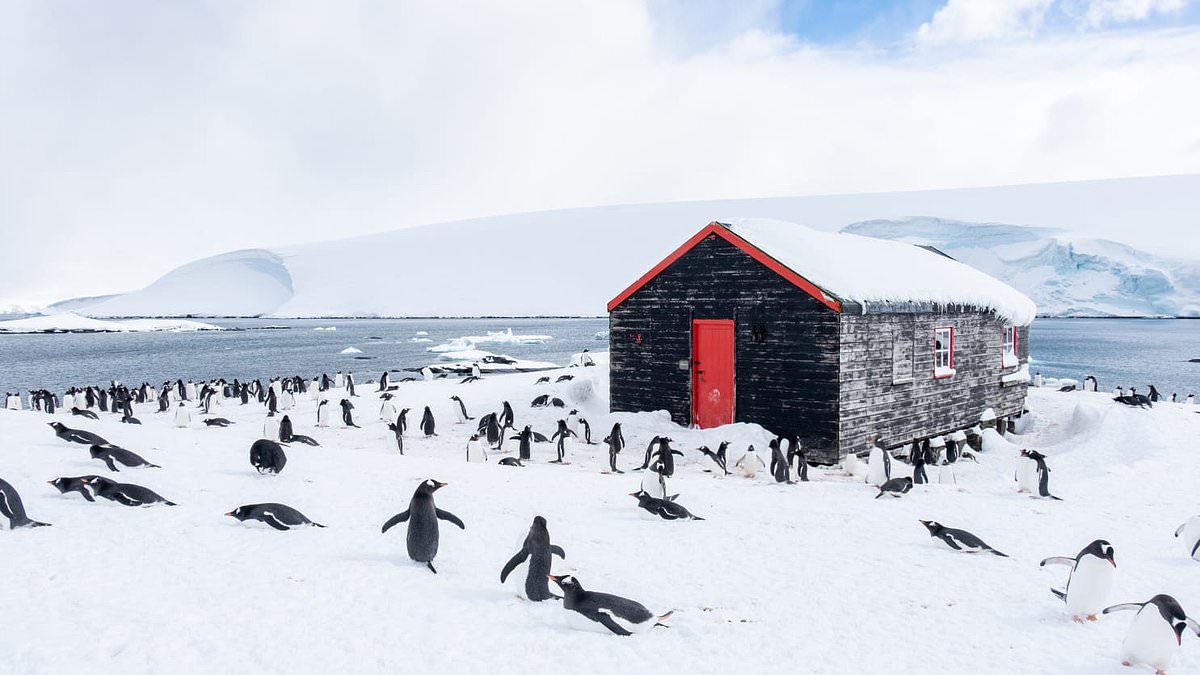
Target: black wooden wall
x=787, y=381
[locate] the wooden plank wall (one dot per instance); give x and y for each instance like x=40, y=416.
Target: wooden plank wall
x=871, y=404
x=787, y=382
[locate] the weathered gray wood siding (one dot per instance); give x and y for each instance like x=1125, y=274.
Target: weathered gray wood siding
x=786, y=382
x=871, y=404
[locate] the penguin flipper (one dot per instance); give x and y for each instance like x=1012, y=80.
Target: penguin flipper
x=604, y=618
x=395, y=520
x=951, y=543
x=111, y=466
x=558, y=551
x=1193, y=625
x=269, y=518
x=1179, y=531
x=1123, y=607
x=1057, y=560
x=1061, y=595
x=512, y=564
x=450, y=517
x=429, y=564
x=1194, y=548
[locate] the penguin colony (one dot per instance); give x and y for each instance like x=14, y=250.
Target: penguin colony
x=1154, y=634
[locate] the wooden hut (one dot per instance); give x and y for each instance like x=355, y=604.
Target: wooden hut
x=834, y=338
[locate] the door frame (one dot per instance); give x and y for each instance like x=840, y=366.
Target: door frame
x=732, y=323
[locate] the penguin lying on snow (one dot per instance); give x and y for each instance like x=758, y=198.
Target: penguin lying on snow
x=278, y=516
x=76, y=435
x=73, y=484
x=217, y=422
x=1090, y=580
x=1156, y=632
x=959, y=540
x=124, y=493
x=422, y=517
x=538, y=549
x=12, y=508
x=895, y=487
x=666, y=509
x=510, y=461
x=601, y=611
x=110, y=453
x=85, y=413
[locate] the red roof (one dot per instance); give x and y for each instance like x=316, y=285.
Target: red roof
x=719, y=230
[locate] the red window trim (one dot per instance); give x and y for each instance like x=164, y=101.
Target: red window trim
x=951, y=365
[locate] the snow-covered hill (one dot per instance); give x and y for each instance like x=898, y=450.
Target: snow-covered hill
x=572, y=262
x=1065, y=274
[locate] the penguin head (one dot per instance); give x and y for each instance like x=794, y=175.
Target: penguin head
x=241, y=513
x=429, y=486
x=455, y=398
x=568, y=583
x=1171, y=612
x=1101, y=549
x=933, y=526
x=539, y=523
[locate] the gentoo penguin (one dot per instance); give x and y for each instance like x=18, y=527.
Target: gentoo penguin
x=573, y=421
x=667, y=509
x=73, y=484
x=1189, y=532
x=603, y=612
x=475, y=451
x=564, y=378
x=895, y=487
x=399, y=436
x=565, y=446
x=285, y=430
x=717, y=457
x=653, y=482
x=80, y=412
x=427, y=374
x=347, y=416
x=540, y=401
x=537, y=549
x=271, y=426
x=1043, y=473
x=1026, y=473
x=524, y=440
x=1174, y=396
x=278, y=516
x=124, y=493
x=428, y=425
x=750, y=463
x=12, y=508
x=388, y=411
x=384, y=380
x=797, y=460
x=350, y=384
x=267, y=456
x=853, y=466
x=339, y=380
x=214, y=422
x=587, y=431
x=615, y=442
x=322, y=413
x=76, y=435
x=507, y=418
x=779, y=469
x=946, y=474
x=423, y=516
x=459, y=410
x=650, y=447
x=1155, y=397
x=1155, y=633
x=1190, y=400
x=542, y=380
x=1090, y=580
x=111, y=453
x=917, y=457
x=1089, y=383
x=959, y=540
x=402, y=420
x=182, y=416
x=510, y=461
x=315, y=389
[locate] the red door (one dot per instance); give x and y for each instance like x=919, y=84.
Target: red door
x=712, y=372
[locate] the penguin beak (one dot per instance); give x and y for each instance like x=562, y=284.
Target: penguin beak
x=230, y=513
x=553, y=578
x=442, y=485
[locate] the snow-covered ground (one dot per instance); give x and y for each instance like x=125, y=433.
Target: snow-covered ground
x=817, y=577
x=69, y=322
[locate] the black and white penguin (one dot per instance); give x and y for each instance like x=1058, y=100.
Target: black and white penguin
x=216, y=422
x=267, y=456
x=475, y=451
x=182, y=417
x=278, y=516
x=540, y=401
x=422, y=517
x=879, y=466
x=1155, y=633
x=459, y=409
x=285, y=430
x=428, y=425
x=797, y=457
x=615, y=442
x=896, y=487
x=1155, y=397
x=124, y=493
x=270, y=426
x=510, y=461
x=388, y=410
x=13, y=508
x=750, y=463
x=80, y=412
x=1089, y=383
x=322, y=414
x=76, y=435
x=1043, y=473
x=587, y=431
x=542, y=380
x=653, y=482
x=1090, y=581
x=565, y=445
x=507, y=419
x=780, y=470
x=959, y=540
x=397, y=434
x=524, y=440
x=1189, y=533
x=111, y=453
x=347, y=416
x=917, y=457
x=538, y=550
x=603, y=612
x=489, y=428
x=73, y=484
x=667, y=509
x=384, y=381
x=717, y=457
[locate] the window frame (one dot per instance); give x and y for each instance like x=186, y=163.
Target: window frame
x=1010, y=334
x=949, y=352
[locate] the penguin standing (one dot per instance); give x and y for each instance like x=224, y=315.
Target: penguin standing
x=573, y=422
x=653, y=482
x=428, y=426
x=507, y=418
x=1089, y=383
x=182, y=416
x=780, y=470
x=614, y=442
x=1189, y=532
x=475, y=451
x=1155, y=633
x=271, y=426
x=323, y=413
x=422, y=517
x=399, y=435
x=1043, y=473
x=286, y=433
x=350, y=385
x=538, y=550
x=384, y=380
x=459, y=410
x=750, y=463
x=388, y=411
x=879, y=467
x=566, y=446
x=1090, y=581
x=12, y=508
x=797, y=456
x=587, y=431
x=525, y=440
x=717, y=457
x=917, y=457
x=946, y=474
x=347, y=416
x=1026, y=473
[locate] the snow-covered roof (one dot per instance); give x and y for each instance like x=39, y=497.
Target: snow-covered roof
x=868, y=270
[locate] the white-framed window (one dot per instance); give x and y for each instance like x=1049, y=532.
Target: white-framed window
x=943, y=352
x=1008, y=357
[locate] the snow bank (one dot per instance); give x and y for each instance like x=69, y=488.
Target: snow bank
x=69, y=322
x=866, y=270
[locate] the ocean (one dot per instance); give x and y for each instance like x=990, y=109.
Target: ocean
x=1128, y=352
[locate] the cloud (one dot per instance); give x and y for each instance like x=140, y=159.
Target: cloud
x=1104, y=12
x=973, y=20
x=139, y=135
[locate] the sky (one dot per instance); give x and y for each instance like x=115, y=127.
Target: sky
x=139, y=135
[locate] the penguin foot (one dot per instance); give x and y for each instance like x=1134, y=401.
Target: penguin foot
x=1077, y=618
x=1092, y=617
